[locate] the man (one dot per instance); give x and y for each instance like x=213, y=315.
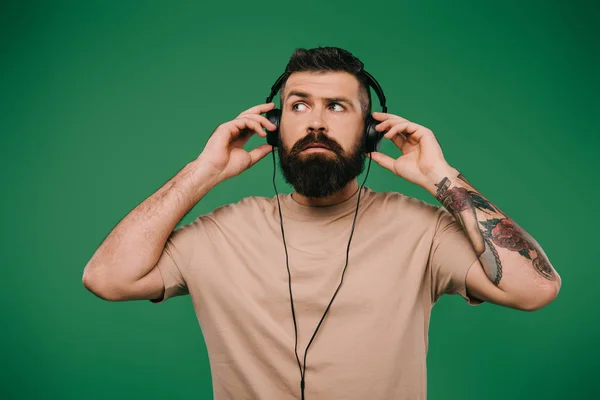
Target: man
x=262, y=273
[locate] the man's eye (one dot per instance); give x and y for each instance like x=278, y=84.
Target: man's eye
x=298, y=107
x=338, y=105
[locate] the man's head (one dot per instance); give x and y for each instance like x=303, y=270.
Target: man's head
x=324, y=102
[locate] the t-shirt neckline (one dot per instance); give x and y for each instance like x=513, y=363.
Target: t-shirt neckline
x=290, y=207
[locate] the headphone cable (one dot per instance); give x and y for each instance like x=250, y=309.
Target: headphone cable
x=303, y=370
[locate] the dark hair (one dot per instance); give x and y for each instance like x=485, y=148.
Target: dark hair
x=329, y=59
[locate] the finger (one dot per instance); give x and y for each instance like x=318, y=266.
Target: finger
x=388, y=123
x=407, y=128
x=259, y=109
x=259, y=153
x=381, y=116
x=399, y=140
x=384, y=160
x=261, y=120
x=246, y=123
x=395, y=134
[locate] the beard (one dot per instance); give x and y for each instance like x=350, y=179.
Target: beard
x=321, y=174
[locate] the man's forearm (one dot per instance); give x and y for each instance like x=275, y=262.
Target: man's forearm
x=132, y=248
x=510, y=257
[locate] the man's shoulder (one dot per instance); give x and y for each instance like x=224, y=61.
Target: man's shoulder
x=244, y=207
x=406, y=211
x=398, y=201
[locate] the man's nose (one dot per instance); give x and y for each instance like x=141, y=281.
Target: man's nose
x=317, y=121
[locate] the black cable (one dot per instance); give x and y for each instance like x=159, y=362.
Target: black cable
x=303, y=370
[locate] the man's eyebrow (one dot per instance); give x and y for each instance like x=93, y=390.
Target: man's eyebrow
x=338, y=99
x=296, y=93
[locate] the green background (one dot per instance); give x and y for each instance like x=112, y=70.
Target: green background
x=103, y=102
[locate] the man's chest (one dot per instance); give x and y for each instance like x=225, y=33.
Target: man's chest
x=257, y=278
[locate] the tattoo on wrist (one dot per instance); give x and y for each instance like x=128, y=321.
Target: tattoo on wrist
x=442, y=188
x=456, y=199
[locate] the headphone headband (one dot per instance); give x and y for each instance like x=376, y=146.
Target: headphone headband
x=375, y=85
x=276, y=86
x=372, y=83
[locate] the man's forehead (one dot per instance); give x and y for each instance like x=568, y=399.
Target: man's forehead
x=323, y=84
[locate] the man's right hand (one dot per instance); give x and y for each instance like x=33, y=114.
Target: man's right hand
x=224, y=154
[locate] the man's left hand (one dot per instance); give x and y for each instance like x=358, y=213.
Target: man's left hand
x=422, y=161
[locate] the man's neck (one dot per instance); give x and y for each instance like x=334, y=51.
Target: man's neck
x=338, y=197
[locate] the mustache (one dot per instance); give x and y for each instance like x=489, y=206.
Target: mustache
x=316, y=139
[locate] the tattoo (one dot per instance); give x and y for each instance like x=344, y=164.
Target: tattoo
x=543, y=268
x=495, y=262
x=486, y=235
x=504, y=234
x=457, y=199
x=442, y=187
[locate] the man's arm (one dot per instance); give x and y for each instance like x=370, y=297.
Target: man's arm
x=519, y=271
x=124, y=266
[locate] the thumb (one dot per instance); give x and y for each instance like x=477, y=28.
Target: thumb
x=384, y=160
x=259, y=153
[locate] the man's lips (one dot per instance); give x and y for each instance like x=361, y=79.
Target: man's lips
x=316, y=146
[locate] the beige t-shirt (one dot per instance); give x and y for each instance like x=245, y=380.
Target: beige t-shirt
x=373, y=342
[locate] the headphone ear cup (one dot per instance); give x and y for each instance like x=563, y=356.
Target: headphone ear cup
x=274, y=116
x=372, y=136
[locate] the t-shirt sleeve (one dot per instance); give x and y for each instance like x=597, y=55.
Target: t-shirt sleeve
x=451, y=257
x=175, y=259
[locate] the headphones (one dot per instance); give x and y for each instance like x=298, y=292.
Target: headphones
x=371, y=135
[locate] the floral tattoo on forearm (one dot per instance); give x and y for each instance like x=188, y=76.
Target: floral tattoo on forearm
x=472, y=210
